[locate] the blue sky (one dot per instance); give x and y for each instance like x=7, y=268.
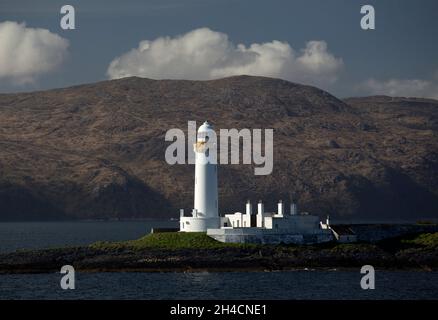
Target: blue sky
x=398, y=58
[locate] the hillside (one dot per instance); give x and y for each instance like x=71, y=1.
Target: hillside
x=97, y=150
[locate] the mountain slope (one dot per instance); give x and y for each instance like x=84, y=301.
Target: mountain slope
x=97, y=150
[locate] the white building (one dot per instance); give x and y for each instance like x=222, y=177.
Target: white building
x=259, y=227
x=271, y=227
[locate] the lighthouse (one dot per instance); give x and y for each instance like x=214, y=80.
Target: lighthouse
x=263, y=227
x=205, y=210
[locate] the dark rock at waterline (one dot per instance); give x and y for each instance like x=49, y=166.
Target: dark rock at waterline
x=389, y=254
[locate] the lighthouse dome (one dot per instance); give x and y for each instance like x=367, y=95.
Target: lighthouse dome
x=205, y=127
x=205, y=132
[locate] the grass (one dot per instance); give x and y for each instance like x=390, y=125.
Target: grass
x=199, y=240
x=425, y=240
x=425, y=222
x=352, y=247
x=170, y=240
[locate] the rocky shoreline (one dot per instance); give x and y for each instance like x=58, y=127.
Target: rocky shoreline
x=256, y=258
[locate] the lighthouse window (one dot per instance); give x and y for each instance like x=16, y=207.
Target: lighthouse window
x=207, y=153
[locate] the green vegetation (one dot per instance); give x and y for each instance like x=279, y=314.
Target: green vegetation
x=169, y=240
x=425, y=222
x=425, y=240
x=352, y=247
x=199, y=240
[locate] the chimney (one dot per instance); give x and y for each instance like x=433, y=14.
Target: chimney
x=260, y=208
x=293, y=209
x=181, y=213
x=280, y=208
x=260, y=215
x=248, y=208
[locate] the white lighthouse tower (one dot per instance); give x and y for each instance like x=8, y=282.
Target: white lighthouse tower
x=205, y=212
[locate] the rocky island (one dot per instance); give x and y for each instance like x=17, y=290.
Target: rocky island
x=186, y=252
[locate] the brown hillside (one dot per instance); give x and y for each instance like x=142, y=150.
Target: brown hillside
x=97, y=150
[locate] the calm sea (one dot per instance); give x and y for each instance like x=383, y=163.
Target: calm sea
x=304, y=284
x=234, y=285
x=37, y=235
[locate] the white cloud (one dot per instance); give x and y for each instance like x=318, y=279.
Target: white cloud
x=401, y=88
x=26, y=53
x=205, y=54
